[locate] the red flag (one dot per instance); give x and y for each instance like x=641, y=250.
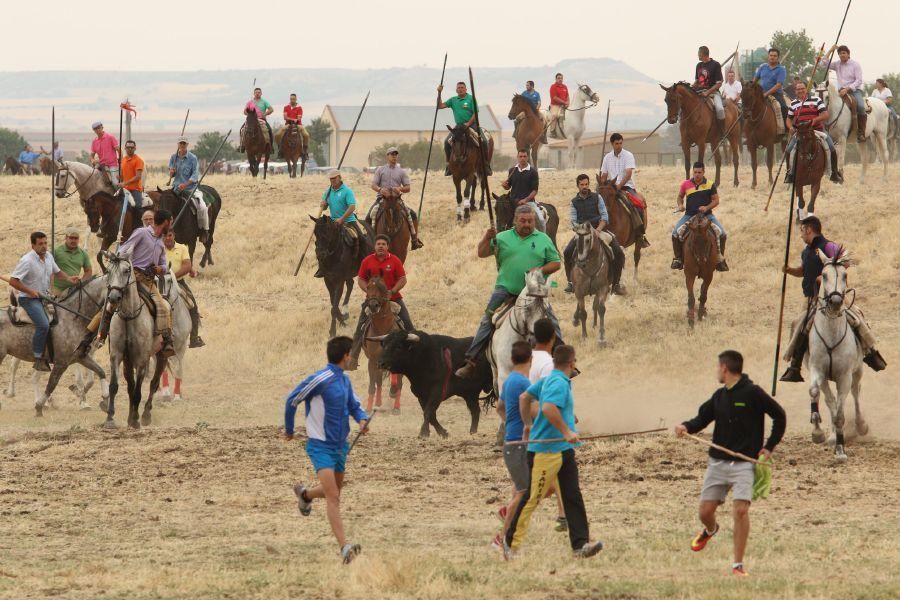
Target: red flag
x=127, y=106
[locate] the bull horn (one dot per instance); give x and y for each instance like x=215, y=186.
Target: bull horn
x=411, y=337
x=376, y=338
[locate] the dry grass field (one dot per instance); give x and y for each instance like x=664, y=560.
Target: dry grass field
x=199, y=504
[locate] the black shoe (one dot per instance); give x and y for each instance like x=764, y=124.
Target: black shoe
x=792, y=375
x=645, y=243
x=837, y=177
x=722, y=266
x=618, y=289
x=875, y=360
x=467, y=370
x=196, y=342
x=570, y=288
x=677, y=264
x=417, y=243
x=41, y=364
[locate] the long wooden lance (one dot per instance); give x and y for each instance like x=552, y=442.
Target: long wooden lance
x=202, y=177
x=729, y=452
x=605, y=131
x=838, y=38
x=431, y=143
x=122, y=190
x=52, y=190
x=183, y=126
x=485, y=186
x=340, y=163
x=787, y=256
x=585, y=438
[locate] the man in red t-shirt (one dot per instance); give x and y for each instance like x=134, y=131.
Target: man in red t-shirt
x=293, y=115
x=559, y=102
x=387, y=266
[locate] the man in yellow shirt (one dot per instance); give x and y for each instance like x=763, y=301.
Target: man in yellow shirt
x=179, y=260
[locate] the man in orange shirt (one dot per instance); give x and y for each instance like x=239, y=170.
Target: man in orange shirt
x=559, y=102
x=133, y=173
x=293, y=114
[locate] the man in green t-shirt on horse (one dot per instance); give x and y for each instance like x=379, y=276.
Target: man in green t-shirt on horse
x=464, y=108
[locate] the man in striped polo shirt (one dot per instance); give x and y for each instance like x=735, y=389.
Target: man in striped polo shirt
x=810, y=108
x=697, y=195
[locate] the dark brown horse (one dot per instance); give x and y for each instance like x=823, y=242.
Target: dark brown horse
x=187, y=231
x=391, y=221
x=697, y=121
x=12, y=166
x=293, y=149
x=339, y=261
x=701, y=252
x=103, y=212
x=760, y=126
x=505, y=213
x=810, y=164
x=382, y=321
x=621, y=223
x=466, y=166
x=529, y=132
x=256, y=144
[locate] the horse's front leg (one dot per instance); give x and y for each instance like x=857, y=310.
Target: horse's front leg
x=751, y=148
x=11, y=388
x=862, y=428
x=704, y=288
x=689, y=282
x=110, y=401
x=154, y=387
x=836, y=404
x=770, y=162
x=815, y=417
x=345, y=312
x=133, y=385
x=813, y=193
x=459, y=208
x=735, y=160
x=600, y=311
x=41, y=400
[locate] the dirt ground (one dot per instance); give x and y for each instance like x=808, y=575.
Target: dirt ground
x=199, y=504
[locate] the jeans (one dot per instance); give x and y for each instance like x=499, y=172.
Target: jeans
x=784, y=109
x=113, y=175
x=138, y=197
x=35, y=309
x=686, y=217
x=860, y=102
x=720, y=107
x=498, y=297
x=793, y=142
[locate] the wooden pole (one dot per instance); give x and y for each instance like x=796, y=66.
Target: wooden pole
x=586, y=438
x=787, y=256
x=605, y=131
x=838, y=38
x=728, y=452
x=431, y=143
x=52, y=190
x=486, y=188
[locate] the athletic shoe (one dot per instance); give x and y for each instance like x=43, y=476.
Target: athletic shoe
x=349, y=552
x=304, y=506
x=561, y=524
x=501, y=514
x=740, y=571
x=699, y=542
x=497, y=542
x=589, y=549
x=508, y=553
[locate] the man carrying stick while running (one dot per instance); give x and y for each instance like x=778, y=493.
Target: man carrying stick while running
x=739, y=409
x=330, y=401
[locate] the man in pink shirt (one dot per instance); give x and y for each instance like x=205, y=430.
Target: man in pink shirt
x=105, y=153
x=850, y=81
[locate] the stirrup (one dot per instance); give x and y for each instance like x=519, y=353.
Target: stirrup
x=417, y=243
x=875, y=361
x=677, y=264
x=792, y=375
x=722, y=265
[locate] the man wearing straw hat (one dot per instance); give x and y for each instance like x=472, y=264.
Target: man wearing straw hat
x=739, y=409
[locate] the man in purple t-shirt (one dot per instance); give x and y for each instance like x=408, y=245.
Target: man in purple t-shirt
x=105, y=153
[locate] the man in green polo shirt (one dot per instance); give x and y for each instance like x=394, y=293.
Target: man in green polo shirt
x=263, y=109
x=464, y=108
x=72, y=260
x=518, y=251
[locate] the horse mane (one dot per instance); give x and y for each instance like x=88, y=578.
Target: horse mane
x=530, y=106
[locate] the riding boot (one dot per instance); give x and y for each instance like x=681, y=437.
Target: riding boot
x=875, y=361
x=721, y=123
x=861, y=127
x=836, y=175
x=413, y=231
x=196, y=340
x=356, y=348
x=678, y=261
x=792, y=375
x=467, y=370
x=722, y=265
x=618, y=265
x=168, y=345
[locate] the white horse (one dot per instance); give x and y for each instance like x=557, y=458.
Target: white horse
x=77, y=178
x=834, y=355
x=181, y=330
x=840, y=121
x=84, y=381
x=573, y=125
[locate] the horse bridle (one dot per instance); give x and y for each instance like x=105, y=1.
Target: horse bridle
x=824, y=299
x=129, y=281
x=78, y=186
x=515, y=311
x=824, y=90
x=590, y=96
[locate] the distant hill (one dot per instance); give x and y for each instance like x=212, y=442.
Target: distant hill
x=216, y=97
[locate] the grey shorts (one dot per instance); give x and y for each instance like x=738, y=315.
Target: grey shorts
x=516, y=459
x=724, y=475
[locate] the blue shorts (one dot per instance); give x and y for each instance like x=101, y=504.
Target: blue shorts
x=327, y=457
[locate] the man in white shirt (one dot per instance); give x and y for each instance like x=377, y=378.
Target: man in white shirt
x=617, y=169
x=732, y=88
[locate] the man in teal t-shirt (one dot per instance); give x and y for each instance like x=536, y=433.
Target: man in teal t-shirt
x=340, y=202
x=518, y=251
x=554, y=461
x=464, y=107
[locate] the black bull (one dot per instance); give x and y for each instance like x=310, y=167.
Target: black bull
x=428, y=362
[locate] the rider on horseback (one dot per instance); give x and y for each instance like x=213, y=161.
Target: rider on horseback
x=850, y=81
x=180, y=265
x=771, y=76
x=589, y=207
x=533, y=96
x=104, y=154
x=810, y=109
x=810, y=270
x=263, y=109
x=184, y=167
x=341, y=204
x=559, y=102
x=522, y=183
x=697, y=196
x=618, y=167
x=517, y=251
x=293, y=115
x=708, y=80
x=464, y=109
x=392, y=180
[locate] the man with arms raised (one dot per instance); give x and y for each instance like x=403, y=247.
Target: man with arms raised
x=464, y=109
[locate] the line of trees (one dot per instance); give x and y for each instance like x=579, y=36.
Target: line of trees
x=11, y=143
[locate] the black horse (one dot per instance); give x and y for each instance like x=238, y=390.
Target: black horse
x=186, y=229
x=505, y=211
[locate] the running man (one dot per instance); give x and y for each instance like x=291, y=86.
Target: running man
x=329, y=401
x=739, y=410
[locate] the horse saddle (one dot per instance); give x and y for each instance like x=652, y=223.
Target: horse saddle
x=850, y=101
x=637, y=220
x=19, y=318
x=606, y=238
x=502, y=311
x=779, y=119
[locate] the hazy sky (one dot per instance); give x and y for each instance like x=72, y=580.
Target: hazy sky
x=651, y=35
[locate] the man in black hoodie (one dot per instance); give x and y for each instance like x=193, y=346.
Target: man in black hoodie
x=739, y=409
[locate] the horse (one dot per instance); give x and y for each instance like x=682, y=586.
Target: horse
x=529, y=133
x=339, y=262
x=82, y=300
x=46, y=165
x=760, y=126
x=186, y=229
x=621, y=224
x=573, y=125
x=132, y=342
x=834, y=355
x=701, y=252
x=391, y=221
x=97, y=197
x=103, y=212
x=88, y=181
x=505, y=212
x=181, y=330
x=13, y=167
x=590, y=274
x=841, y=122
x=293, y=149
x=84, y=381
x=698, y=125
x=809, y=164
x=466, y=166
x=256, y=144
x=382, y=321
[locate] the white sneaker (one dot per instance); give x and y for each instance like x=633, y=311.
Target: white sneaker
x=589, y=549
x=304, y=506
x=349, y=552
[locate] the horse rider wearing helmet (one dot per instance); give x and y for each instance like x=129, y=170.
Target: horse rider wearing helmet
x=810, y=270
x=391, y=180
x=850, y=81
x=697, y=195
x=293, y=115
x=184, y=168
x=464, y=108
x=518, y=251
x=263, y=109
x=707, y=81
x=811, y=109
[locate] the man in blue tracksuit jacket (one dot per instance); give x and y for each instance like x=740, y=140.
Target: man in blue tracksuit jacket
x=329, y=400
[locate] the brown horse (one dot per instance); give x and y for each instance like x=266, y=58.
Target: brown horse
x=466, y=166
x=621, y=224
x=391, y=221
x=810, y=164
x=13, y=166
x=256, y=144
x=701, y=252
x=505, y=213
x=590, y=274
x=47, y=166
x=293, y=149
x=382, y=321
x=529, y=132
x=760, y=126
x=103, y=212
x=699, y=127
